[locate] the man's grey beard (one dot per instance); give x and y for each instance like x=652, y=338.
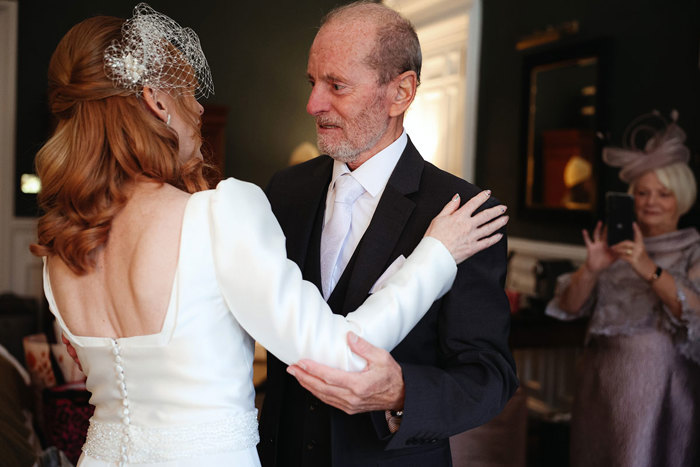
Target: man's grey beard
x=343, y=152
x=347, y=153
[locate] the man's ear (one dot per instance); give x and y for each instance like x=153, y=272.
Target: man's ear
x=402, y=92
x=156, y=102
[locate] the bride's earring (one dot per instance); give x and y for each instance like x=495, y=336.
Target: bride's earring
x=168, y=121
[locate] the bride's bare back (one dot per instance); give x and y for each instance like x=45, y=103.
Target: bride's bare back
x=128, y=292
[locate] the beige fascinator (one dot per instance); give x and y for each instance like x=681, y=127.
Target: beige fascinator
x=651, y=141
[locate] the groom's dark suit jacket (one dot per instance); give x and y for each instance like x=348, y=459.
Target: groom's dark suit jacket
x=456, y=364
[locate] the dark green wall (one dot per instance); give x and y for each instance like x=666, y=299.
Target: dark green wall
x=653, y=60
x=257, y=52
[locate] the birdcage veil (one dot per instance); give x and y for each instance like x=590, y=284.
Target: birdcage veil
x=156, y=51
x=650, y=141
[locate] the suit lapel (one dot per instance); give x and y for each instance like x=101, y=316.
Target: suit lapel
x=374, y=252
x=305, y=203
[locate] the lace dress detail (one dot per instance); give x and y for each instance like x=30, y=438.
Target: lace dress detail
x=623, y=304
x=106, y=441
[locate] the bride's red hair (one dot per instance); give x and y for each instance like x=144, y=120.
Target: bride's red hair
x=105, y=138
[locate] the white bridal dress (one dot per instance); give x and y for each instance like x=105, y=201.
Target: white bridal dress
x=185, y=396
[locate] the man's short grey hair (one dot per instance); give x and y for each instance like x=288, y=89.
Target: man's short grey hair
x=396, y=49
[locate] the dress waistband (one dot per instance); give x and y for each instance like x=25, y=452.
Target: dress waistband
x=105, y=441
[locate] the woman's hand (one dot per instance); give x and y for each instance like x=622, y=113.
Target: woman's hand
x=634, y=253
x=463, y=234
x=599, y=256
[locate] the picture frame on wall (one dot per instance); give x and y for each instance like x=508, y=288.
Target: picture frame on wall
x=563, y=113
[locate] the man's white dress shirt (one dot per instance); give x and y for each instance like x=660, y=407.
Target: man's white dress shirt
x=373, y=175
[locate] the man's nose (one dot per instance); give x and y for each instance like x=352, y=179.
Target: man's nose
x=319, y=101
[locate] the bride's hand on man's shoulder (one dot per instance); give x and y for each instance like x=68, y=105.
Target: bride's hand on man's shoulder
x=464, y=233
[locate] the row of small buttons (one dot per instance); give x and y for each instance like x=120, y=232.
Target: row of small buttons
x=121, y=383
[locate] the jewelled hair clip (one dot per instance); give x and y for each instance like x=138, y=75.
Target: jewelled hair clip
x=156, y=51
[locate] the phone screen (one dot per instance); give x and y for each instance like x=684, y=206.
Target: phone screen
x=619, y=209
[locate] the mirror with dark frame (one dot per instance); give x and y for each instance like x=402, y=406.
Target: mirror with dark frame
x=562, y=98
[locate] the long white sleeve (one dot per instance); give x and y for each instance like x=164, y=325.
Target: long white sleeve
x=287, y=315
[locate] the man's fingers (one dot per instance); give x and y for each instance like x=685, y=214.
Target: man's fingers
x=308, y=382
x=328, y=394
x=299, y=373
x=324, y=373
x=306, y=379
x=364, y=349
x=71, y=351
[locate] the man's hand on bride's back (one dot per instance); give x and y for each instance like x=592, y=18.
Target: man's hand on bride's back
x=71, y=351
x=465, y=233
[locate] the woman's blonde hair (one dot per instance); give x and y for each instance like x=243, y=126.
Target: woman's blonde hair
x=680, y=180
x=105, y=138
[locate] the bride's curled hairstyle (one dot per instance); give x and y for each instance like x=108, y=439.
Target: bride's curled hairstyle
x=105, y=138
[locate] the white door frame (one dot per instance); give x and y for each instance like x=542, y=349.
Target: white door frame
x=8, y=92
x=20, y=272
x=462, y=130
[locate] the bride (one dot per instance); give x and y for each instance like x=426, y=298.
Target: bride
x=161, y=285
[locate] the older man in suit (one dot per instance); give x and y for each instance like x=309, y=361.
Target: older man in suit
x=454, y=371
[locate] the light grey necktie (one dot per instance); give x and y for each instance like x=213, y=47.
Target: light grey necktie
x=336, y=231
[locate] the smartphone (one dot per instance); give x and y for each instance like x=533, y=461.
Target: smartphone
x=619, y=208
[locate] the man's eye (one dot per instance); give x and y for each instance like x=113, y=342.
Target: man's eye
x=337, y=86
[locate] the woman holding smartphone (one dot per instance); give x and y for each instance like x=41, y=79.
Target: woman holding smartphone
x=639, y=381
